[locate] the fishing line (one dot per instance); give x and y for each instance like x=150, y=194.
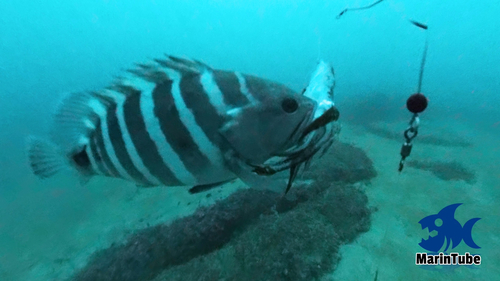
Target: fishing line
x=416, y=23
x=424, y=56
x=416, y=104
x=360, y=8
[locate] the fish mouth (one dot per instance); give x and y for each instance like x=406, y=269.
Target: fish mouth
x=315, y=133
x=310, y=138
x=330, y=115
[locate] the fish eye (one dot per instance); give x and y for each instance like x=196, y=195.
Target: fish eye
x=289, y=105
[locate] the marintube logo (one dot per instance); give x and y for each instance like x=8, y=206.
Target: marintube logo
x=450, y=233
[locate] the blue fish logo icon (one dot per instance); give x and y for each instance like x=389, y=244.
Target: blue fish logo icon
x=450, y=230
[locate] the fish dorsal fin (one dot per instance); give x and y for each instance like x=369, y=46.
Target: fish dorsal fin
x=74, y=120
x=149, y=72
x=104, y=97
x=184, y=66
x=158, y=71
x=78, y=113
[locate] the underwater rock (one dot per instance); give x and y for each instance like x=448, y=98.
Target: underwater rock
x=150, y=250
x=284, y=245
x=301, y=244
x=449, y=171
x=343, y=162
x=294, y=246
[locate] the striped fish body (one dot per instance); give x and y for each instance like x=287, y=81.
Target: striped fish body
x=174, y=122
x=160, y=133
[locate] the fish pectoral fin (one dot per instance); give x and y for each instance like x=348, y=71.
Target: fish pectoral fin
x=205, y=187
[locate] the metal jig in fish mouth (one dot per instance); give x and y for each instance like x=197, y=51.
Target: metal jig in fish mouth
x=332, y=114
x=294, y=159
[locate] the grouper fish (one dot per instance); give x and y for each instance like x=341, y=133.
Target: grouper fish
x=179, y=122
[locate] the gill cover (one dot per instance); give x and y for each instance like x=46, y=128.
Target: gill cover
x=259, y=131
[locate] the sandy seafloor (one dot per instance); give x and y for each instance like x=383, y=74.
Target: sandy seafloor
x=52, y=229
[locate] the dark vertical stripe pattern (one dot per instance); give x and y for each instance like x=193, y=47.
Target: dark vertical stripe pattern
x=104, y=153
x=97, y=157
x=145, y=146
x=257, y=87
x=176, y=132
x=262, y=89
x=197, y=100
x=116, y=137
x=230, y=87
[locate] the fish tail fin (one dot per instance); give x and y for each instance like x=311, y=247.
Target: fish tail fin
x=44, y=157
x=75, y=120
x=46, y=160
